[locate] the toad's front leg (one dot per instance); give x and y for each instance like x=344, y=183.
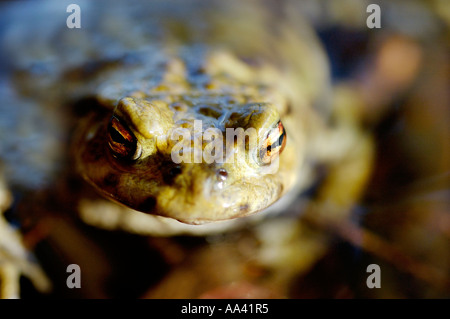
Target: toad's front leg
x=14, y=257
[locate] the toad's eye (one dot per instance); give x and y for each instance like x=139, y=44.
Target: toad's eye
x=122, y=141
x=273, y=144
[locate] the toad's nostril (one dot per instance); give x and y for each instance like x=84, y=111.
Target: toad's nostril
x=222, y=174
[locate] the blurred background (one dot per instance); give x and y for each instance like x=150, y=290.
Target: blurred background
x=397, y=78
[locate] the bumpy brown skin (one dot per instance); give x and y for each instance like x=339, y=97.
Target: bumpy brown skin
x=223, y=93
x=162, y=65
x=247, y=74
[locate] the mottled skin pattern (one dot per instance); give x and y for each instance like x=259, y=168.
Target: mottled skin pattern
x=223, y=83
x=230, y=65
x=223, y=93
x=156, y=67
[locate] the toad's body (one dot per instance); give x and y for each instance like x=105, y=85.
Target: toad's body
x=140, y=72
x=216, y=91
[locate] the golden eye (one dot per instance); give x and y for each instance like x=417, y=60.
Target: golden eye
x=273, y=145
x=122, y=141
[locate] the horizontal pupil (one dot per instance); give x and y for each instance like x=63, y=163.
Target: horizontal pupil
x=277, y=143
x=280, y=139
x=117, y=137
x=121, y=141
x=266, y=153
x=119, y=133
